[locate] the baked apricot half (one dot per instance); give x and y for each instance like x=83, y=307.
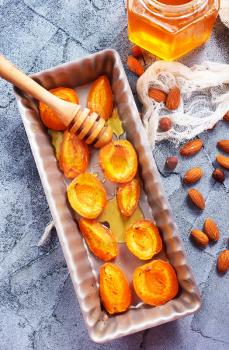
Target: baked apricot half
x=114, y=289
x=143, y=239
x=99, y=238
x=100, y=99
x=118, y=159
x=156, y=282
x=49, y=118
x=87, y=196
x=74, y=155
x=128, y=197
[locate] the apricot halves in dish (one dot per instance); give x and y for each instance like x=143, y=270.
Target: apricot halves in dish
x=128, y=196
x=100, y=99
x=99, y=238
x=118, y=159
x=143, y=239
x=49, y=118
x=156, y=282
x=114, y=289
x=87, y=195
x=74, y=155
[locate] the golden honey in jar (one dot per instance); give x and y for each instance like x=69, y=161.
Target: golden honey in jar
x=171, y=28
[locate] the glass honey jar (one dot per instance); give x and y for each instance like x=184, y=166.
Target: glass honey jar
x=171, y=28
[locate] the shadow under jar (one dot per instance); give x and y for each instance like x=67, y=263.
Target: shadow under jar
x=171, y=28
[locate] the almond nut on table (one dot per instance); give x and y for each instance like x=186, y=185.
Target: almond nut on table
x=157, y=95
x=223, y=261
x=223, y=161
x=190, y=148
x=211, y=229
x=197, y=198
x=193, y=175
x=200, y=238
x=173, y=98
x=223, y=145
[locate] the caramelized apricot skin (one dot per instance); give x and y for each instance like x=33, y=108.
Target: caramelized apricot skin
x=99, y=238
x=74, y=155
x=49, y=118
x=155, y=283
x=100, y=99
x=143, y=239
x=87, y=195
x=119, y=162
x=128, y=197
x=114, y=289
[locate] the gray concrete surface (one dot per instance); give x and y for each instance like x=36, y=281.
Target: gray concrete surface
x=38, y=309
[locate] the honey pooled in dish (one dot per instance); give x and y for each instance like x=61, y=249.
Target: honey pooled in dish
x=114, y=289
x=118, y=160
x=117, y=222
x=128, y=197
x=143, y=239
x=87, y=195
x=49, y=118
x=100, y=99
x=99, y=238
x=155, y=283
x=56, y=139
x=115, y=123
x=74, y=155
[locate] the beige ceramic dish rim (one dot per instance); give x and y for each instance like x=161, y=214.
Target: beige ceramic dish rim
x=104, y=329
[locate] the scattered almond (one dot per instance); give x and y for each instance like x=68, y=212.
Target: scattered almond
x=200, y=238
x=211, y=229
x=157, y=95
x=223, y=261
x=173, y=98
x=171, y=163
x=218, y=175
x=136, y=51
x=165, y=124
x=135, y=66
x=197, y=198
x=223, y=145
x=190, y=148
x=223, y=161
x=226, y=117
x=193, y=175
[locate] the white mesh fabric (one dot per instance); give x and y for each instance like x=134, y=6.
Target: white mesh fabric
x=224, y=12
x=205, y=98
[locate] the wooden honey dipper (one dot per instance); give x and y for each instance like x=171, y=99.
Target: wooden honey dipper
x=88, y=126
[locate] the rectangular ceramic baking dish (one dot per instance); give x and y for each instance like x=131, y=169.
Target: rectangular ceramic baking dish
x=83, y=268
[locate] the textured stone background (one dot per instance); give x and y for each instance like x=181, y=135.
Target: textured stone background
x=38, y=309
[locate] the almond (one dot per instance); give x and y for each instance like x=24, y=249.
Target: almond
x=165, y=124
x=190, y=148
x=200, y=238
x=226, y=117
x=223, y=161
x=157, y=95
x=193, y=175
x=197, y=198
x=135, y=66
x=218, y=175
x=136, y=51
x=211, y=229
x=223, y=261
x=223, y=145
x=173, y=98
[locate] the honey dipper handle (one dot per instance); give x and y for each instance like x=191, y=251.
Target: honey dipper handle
x=9, y=72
